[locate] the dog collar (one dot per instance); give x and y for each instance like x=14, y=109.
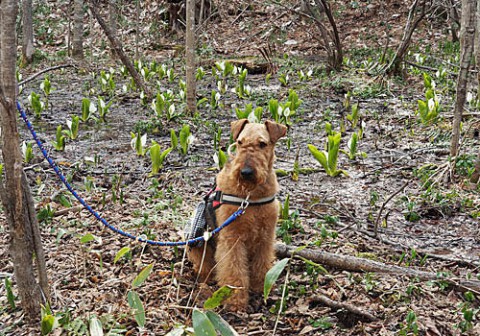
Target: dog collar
x=217, y=198
x=221, y=198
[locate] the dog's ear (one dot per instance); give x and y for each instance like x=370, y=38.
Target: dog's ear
x=275, y=130
x=237, y=127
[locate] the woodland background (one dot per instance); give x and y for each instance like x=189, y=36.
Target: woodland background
x=380, y=239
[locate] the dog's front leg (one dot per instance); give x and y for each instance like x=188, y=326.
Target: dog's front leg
x=232, y=270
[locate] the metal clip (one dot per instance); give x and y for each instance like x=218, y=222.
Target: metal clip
x=244, y=204
x=207, y=235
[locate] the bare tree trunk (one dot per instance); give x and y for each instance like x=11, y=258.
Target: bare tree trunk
x=337, y=59
x=78, y=16
x=190, y=57
x=27, y=30
x=330, y=38
x=113, y=17
x=417, y=12
x=476, y=173
x=118, y=48
x=13, y=195
x=137, y=30
x=467, y=39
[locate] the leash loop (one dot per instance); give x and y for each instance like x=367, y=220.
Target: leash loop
x=141, y=238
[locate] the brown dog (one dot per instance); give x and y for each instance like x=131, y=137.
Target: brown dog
x=243, y=252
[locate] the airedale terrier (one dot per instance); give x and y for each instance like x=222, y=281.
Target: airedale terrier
x=242, y=253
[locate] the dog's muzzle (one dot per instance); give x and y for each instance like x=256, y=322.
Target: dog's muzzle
x=247, y=173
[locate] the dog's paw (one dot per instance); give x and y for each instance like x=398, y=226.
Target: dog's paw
x=236, y=307
x=237, y=303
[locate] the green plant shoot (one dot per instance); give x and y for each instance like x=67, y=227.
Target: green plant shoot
x=59, y=143
x=37, y=105
x=329, y=159
x=158, y=157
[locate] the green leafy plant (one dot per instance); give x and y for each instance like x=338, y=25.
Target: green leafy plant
x=289, y=221
x=163, y=104
x=161, y=71
x=185, y=138
x=410, y=214
x=158, y=157
x=171, y=75
x=354, y=116
x=272, y=276
x=173, y=139
x=73, y=126
x=45, y=215
x=282, y=112
x=225, y=68
x=59, y=143
x=124, y=251
x=200, y=74
x=221, y=71
x=138, y=310
x=37, y=105
x=48, y=322
x=134, y=301
x=138, y=143
x=241, y=89
x=207, y=324
x=329, y=159
x=468, y=313
x=293, y=101
x=352, y=147
x=428, y=109
x=10, y=295
x=268, y=76
x=170, y=112
x=245, y=112
x=107, y=82
x=410, y=327
x=254, y=115
x=46, y=87
x=103, y=108
x=218, y=297
x=305, y=76
x=284, y=79
x=214, y=99
x=182, y=92
x=273, y=108
x=88, y=109
x=220, y=158
x=158, y=104
x=27, y=150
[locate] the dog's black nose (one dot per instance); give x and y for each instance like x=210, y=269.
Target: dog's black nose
x=247, y=172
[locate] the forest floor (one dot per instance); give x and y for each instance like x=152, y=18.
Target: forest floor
x=427, y=225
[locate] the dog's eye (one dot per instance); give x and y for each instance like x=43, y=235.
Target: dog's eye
x=239, y=142
x=262, y=145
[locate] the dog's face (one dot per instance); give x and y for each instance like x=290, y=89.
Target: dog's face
x=255, y=151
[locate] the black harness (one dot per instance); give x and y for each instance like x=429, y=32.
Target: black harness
x=204, y=215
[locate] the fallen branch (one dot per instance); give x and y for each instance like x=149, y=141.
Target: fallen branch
x=56, y=67
x=385, y=203
x=351, y=263
x=336, y=305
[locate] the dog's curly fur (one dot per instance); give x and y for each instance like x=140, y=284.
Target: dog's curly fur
x=242, y=253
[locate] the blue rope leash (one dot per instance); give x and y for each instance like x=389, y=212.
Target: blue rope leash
x=229, y=220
